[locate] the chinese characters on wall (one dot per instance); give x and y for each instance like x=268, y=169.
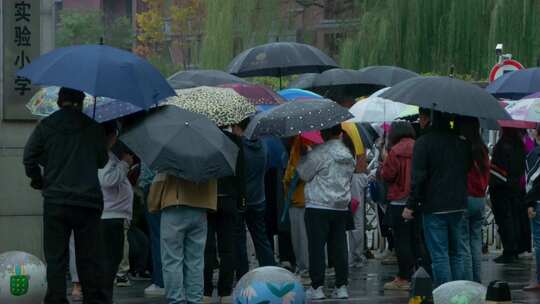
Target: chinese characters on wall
x=21, y=44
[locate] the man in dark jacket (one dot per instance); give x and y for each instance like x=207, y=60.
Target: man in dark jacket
x=220, y=241
x=71, y=148
x=441, y=161
x=253, y=166
x=506, y=195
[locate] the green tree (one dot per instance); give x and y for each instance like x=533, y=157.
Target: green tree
x=88, y=27
x=79, y=27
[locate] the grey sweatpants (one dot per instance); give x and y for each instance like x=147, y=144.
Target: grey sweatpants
x=299, y=238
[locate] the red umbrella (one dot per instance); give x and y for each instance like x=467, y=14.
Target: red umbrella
x=257, y=94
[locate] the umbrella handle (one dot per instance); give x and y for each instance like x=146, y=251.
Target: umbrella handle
x=94, y=111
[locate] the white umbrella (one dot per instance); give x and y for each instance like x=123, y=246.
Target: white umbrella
x=377, y=109
x=525, y=110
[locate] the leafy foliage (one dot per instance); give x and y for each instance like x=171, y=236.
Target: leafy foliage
x=79, y=27
x=88, y=27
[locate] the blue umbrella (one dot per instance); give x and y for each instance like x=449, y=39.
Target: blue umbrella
x=517, y=84
x=101, y=71
x=293, y=94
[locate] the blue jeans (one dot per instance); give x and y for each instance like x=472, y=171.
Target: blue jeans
x=535, y=223
x=183, y=237
x=446, y=243
x=474, y=220
x=154, y=223
x=254, y=218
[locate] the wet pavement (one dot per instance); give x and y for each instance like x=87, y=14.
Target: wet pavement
x=366, y=284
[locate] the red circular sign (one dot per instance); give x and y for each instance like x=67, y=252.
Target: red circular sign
x=505, y=66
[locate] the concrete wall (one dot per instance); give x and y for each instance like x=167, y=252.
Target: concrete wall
x=20, y=206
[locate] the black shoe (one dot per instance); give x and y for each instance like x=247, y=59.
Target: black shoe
x=505, y=259
x=140, y=276
x=122, y=281
x=369, y=255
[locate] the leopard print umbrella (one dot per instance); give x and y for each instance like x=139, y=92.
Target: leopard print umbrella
x=223, y=106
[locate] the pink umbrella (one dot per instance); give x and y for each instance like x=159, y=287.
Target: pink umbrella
x=312, y=137
x=257, y=94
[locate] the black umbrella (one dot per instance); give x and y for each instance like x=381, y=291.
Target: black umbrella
x=304, y=81
x=292, y=118
x=337, y=83
x=280, y=59
x=386, y=76
x=447, y=94
x=181, y=143
x=195, y=78
x=367, y=133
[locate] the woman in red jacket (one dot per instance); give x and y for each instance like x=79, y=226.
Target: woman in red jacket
x=477, y=183
x=396, y=172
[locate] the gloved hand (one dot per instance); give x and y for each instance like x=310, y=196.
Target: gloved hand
x=37, y=184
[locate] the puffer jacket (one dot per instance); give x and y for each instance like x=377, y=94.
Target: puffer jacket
x=396, y=170
x=328, y=172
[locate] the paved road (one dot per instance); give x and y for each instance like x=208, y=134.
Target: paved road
x=366, y=285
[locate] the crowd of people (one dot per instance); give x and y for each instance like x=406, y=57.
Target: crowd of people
x=430, y=180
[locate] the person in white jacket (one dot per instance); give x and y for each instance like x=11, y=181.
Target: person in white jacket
x=118, y=206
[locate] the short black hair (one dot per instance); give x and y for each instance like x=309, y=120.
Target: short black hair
x=424, y=111
x=70, y=95
x=332, y=132
x=244, y=123
x=400, y=130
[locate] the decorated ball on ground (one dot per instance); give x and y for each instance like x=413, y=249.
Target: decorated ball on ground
x=22, y=278
x=460, y=292
x=269, y=285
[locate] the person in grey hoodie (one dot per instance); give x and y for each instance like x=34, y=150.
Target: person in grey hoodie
x=118, y=207
x=328, y=171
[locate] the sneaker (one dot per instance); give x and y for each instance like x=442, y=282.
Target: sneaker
x=315, y=294
x=154, y=291
x=286, y=264
x=532, y=287
x=341, y=293
x=208, y=300
x=122, y=281
x=140, y=276
x=398, y=284
x=226, y=300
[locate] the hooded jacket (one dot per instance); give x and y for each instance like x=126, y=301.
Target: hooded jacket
x=254, y=167
x=71, y=148
x=328, y=170
x=396, y=170
x=533, y=177
x=441, y=162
